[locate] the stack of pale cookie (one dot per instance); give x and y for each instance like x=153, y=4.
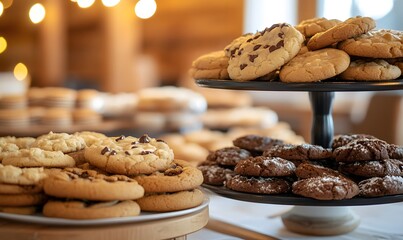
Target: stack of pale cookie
x=314, y=50
x=356, y=164
x=87, y=175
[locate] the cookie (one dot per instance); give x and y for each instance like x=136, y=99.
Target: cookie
x=326, y=188
x=233, y=47
x=265, y=52
x=168, y=202
x=90, y=138
x=377, y=186
x=258, y=185
x=265, y=167
x=362, y=150
x=395, y=151
x=19, y=200
x=255, y=143
x=215, y=175
x=210, y=66
x=25, y=210
x=380, y=168
x=90, y=210
x=370, y=70
x=399, y=65
x=309, y=170
x=314, y=66
x=132, y=156
x=59, y=142
x=22, y=176
x=344, y=139
x=299, y=152
x=36, y=157
x=380, y=43
x=228, y=156
x=20, y=189
x=313, y=26
x=75, y=183
x=350, y=28
x=178, y=177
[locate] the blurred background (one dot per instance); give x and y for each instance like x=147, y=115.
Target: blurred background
x=124, y=46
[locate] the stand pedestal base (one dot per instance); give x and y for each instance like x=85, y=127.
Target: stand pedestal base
x=320, y=221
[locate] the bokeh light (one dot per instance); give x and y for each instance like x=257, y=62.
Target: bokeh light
x=145, y=8
x=1, y=8
x=20, y=71
x=374, y=8
x=7, y=3
x=85, y=3
x=110, y=3
x=3, y=44
x=37, y=13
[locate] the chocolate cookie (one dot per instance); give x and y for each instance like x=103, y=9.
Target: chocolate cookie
x=299, y=153
x=380, y=168
x=229, y=156
x=344, y=139
x=215, y=175
x=308, y=170
x=255, y=143
x=258, y=185
x=395, y=151
x=265, y=167
x=362, y=150
x=376, y=186
x=326, y=188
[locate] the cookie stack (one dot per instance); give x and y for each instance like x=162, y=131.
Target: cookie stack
x=314, y=50
x=377, y=165
x=174, y=189
x=21, y=189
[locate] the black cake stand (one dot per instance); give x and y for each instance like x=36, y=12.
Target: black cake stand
x=310, y=216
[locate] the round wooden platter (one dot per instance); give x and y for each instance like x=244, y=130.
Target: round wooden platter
x=168, y=228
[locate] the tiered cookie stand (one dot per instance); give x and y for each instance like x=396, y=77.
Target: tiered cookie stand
x=310, y=216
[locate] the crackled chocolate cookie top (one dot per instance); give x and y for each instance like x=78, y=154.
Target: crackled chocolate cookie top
x=258, y=185
x=377, y=186
x=308, y=170
x=265, y=167
x=215, y=175
x=362, y=150
x=395, y=151
x=256, y=143
x=344, y=139
x=326, y=188
x=229, y=156
x=264, y=52
x=380, y=168
x=299, y=152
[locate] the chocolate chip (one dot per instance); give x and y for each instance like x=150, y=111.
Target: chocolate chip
x=280, y=34
x=233, y=52
x=256, y=37
x=120, y=138
x=127, y=153
x=252, y=57
x=134, y=147
x=256, y=47
x=145, y=152
x=105, y=150
x=144, y=139
x=84, y=175
x=265, y=46
x=280, y=44
x=284, y=25
x=240, y=51
x=249, y=40
x=242, y=66
x=134, y=142
x=160, y=140
x=273, y=48
x=113, y=152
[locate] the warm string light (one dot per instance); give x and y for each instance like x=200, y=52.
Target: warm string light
x=1, y=8
x=145, y=8
x=85, y=3
x=110, y=3
x=37, y=13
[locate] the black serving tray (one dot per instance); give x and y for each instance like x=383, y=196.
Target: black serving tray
x=328, y=85
x=292, y=199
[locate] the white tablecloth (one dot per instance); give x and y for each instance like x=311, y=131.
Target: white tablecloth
x=383, y=221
